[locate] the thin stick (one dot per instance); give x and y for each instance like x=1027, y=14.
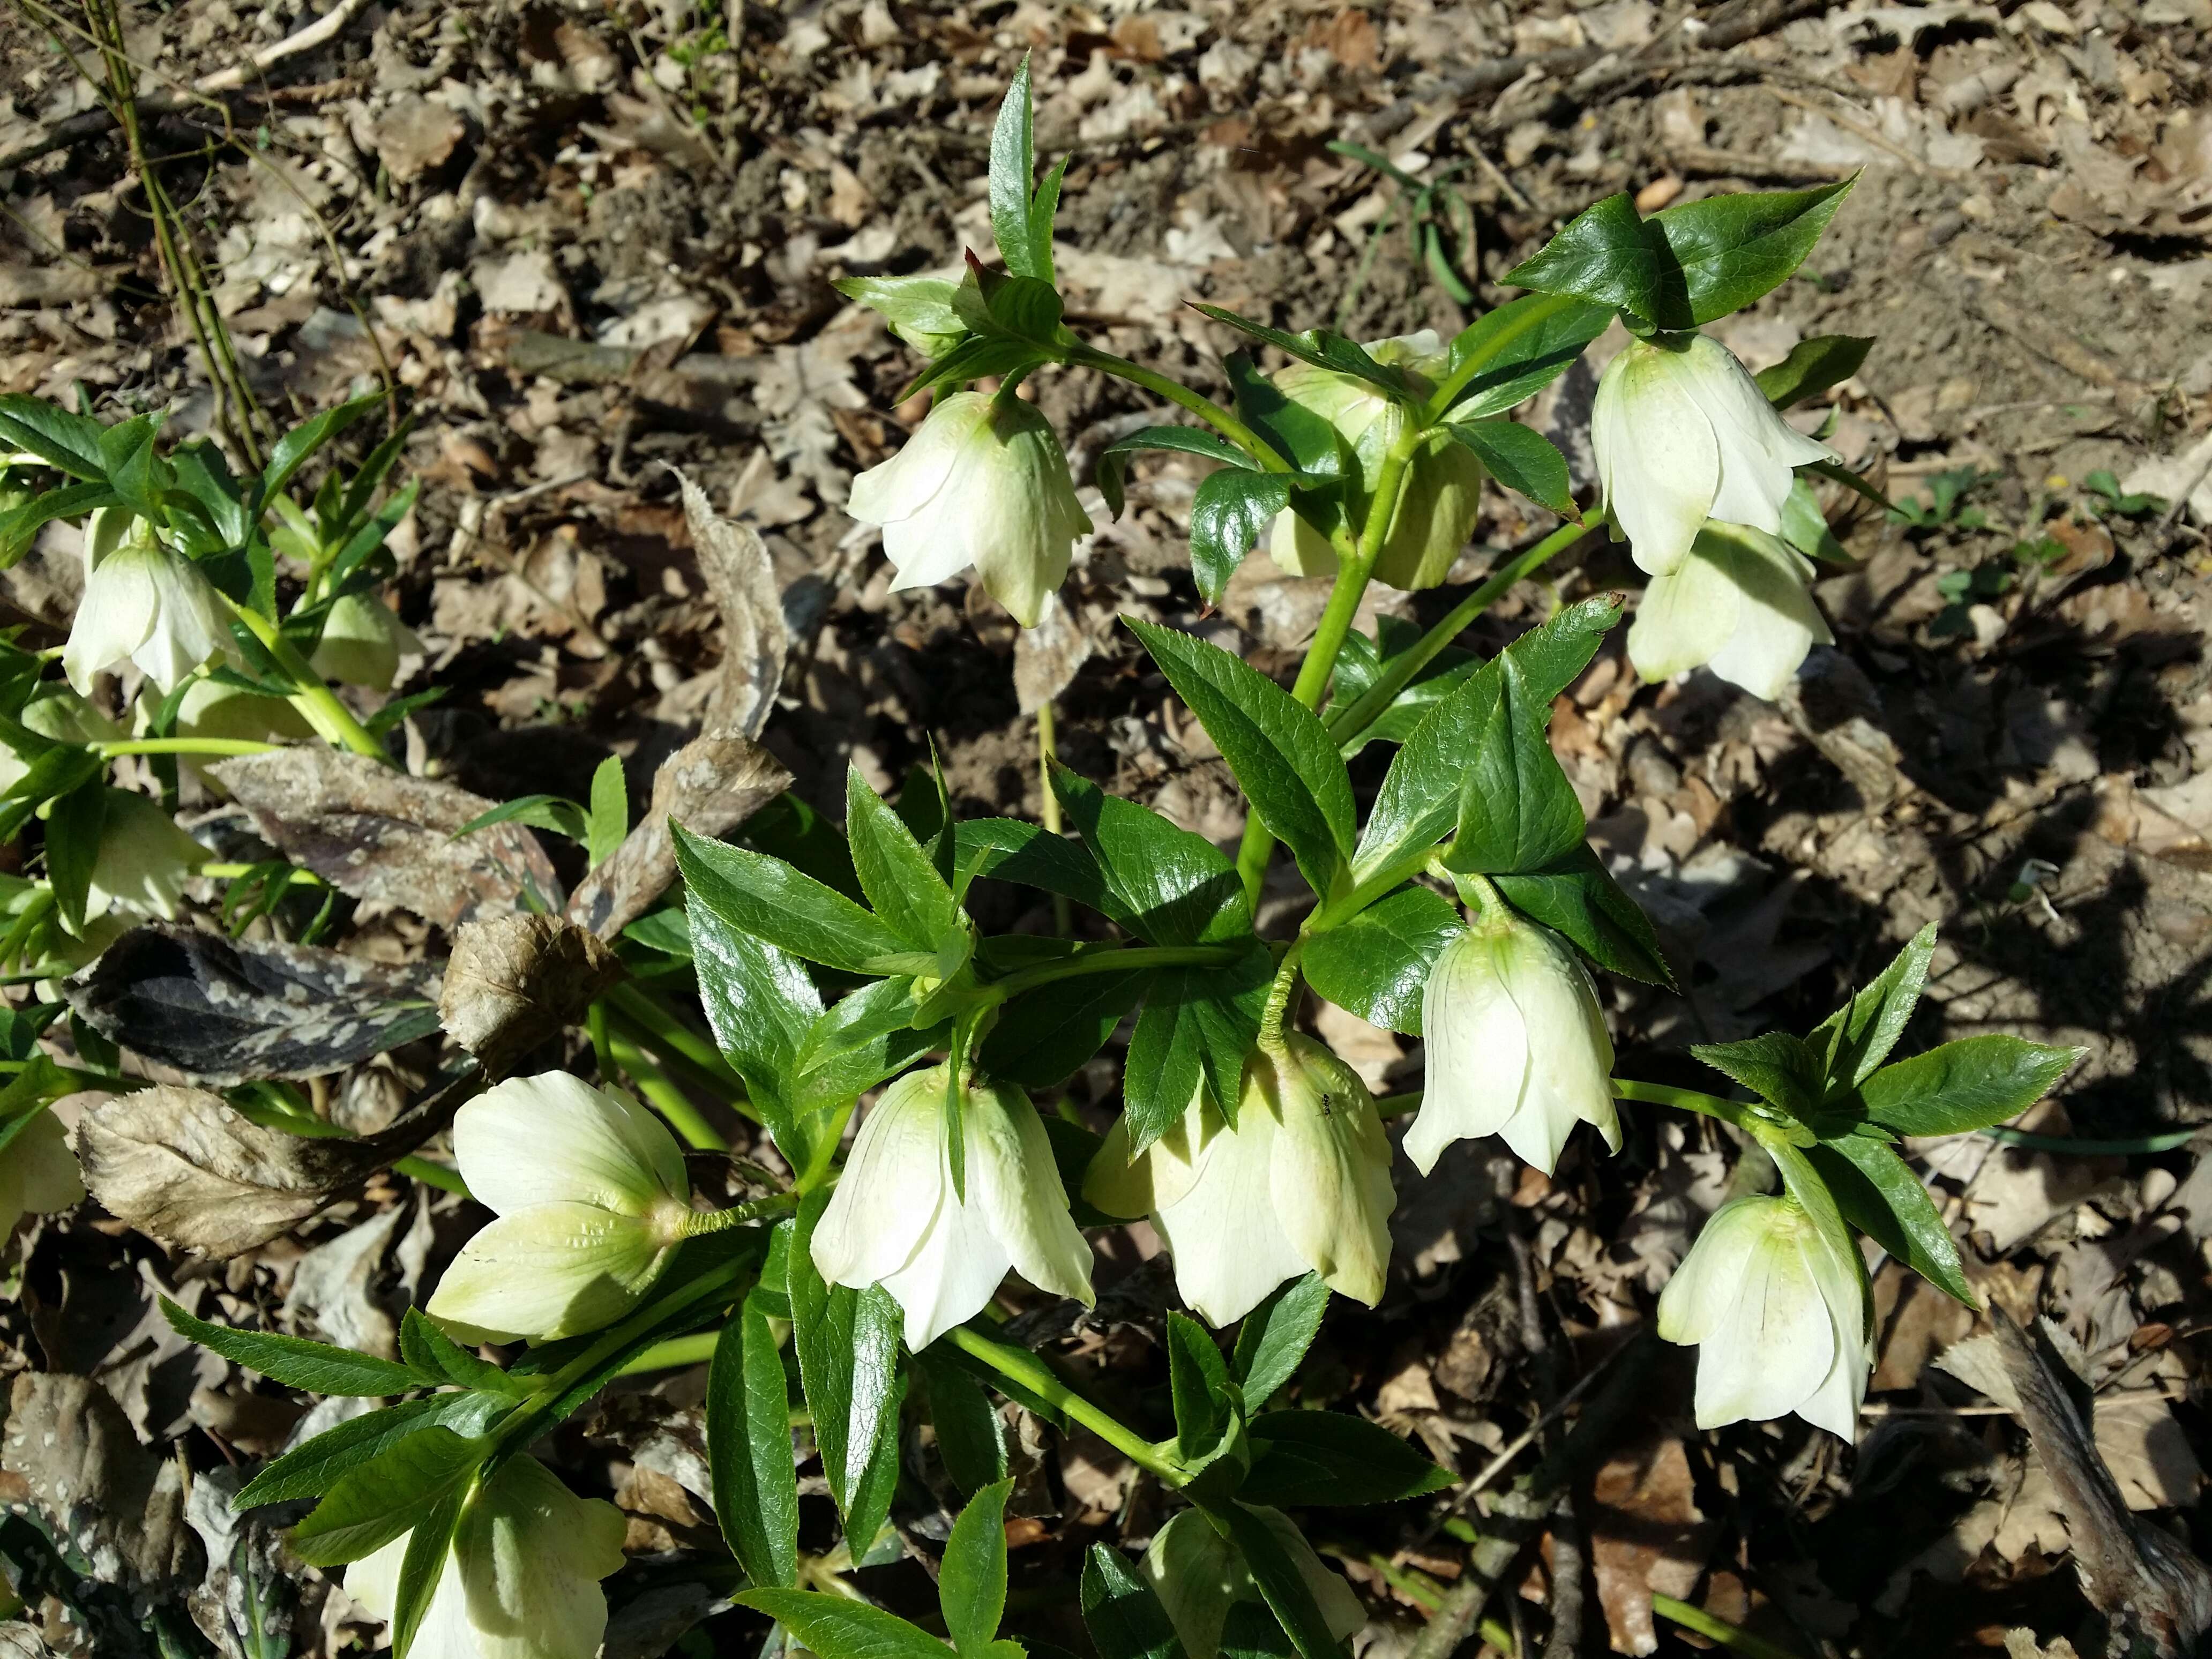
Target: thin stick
x=1048, y=752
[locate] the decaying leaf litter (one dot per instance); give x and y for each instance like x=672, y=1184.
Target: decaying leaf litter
x=593, y=251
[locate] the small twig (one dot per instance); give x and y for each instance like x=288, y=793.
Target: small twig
x=323, y=29
x=1569, y=1556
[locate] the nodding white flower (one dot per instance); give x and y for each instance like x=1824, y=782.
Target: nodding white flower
x=1301, y=1185
x=1683, y=433
x=362, y=644
x=522, y=1578
x=144, y=603
x=1441, y=496
x=143, y=863
x=984, y=482
x=591, y=1195
x=1778, y=1310
x=1739, y=605
x=1199, y=1575
x=38, y=1173
x=1515, y=1045
x=895, y=1219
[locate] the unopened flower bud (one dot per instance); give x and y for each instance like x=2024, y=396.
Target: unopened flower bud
x=144, y=603
x=1777, y=1311
x=1515, y=1045
x=984, y=482
x=1199, y=1575
x=591, y=1195
x=521, y=1580
x=1683, y=433
x=897, y=1220
x=362, y=644
x=1301, y=1185
x=1739, y=605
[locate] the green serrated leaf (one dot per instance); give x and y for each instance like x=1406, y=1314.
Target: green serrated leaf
x=1522, y=459
x=1509, y=355
x=1812, y=367
x=1168, y=886
x=1878, y=1193
x=1517, y=811
x=1013, y=171
x=1967, y=1084
x=1858, y=1037
x=1197, y=1026
x=766, y=897
x=1775, y=1066
x=1578, y=898
x=1198, y=1385
x=377, y=1501
x=971, y=1580
x=903, y=885
x=312, y=1468
x=1230, y=513
x=1121, y=1611
x=749, y=1448
x=1272, y=1340
x=1332, y=1458
x=316, y=1367
x=838, y=1627
x=1378, y=963
x=969, y=1436
x=608, y=821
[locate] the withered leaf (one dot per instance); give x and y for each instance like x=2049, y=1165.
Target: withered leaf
x=118, y=1503
x=182, y=1168
x=755, y=638
x=513, y=981
x=710, y=786
x=222, y=1012
x=1046, y=658
x=378, y=834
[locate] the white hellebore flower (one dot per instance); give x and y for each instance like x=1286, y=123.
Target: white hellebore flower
x=1683, y=433
x=144, y=603
x=895, y=1219
x=143, y=863
x=591, y=1195
x=362, y=644
x=1301, y=1185
x=522, y=1578
x=984, y=482
x=1515, y=1044
x=1739, y=605
x=1441, y=496
x=1199, y=1575
x=36, y=1173
x=1778, y=1312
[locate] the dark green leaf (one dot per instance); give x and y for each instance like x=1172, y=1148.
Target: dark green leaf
x=1198, y=1384
x=1522, y=459
x=1575, y=896
x=1279, y=749
x=1517, y=811
x=838, y=1627
x=749, y=1445
x=68, y=443
x=1281, y=1583
x=73, y=829
x=312, y=1468
x=19, y=525
x=761, y=1005
x=1812, y=367
x=969, y=1436
x=422, y=1563
x=971, y=1580
x=1250, y=1631
x=1514, y=352
x=766, y=897
x=1858, y=1037
x=1378, y=963
x=848, y=1345
x=1170, y=886
x=437, y=1359
x=291, y=451
x=126, y=456
x=857, y=1043
x=1197, y=1027
x=1275, y=1336
x=375, y=1502
x=1963, y=1086
x=1775, y=1066
x=1046, y=1036
x=1229, y=514
x=1013, y=171
x=1328, y=1458
x=1322, y=348
x=903, y=885
x=1300, y=436
x=1361, y=664
x=1879, y=1195
x=1122, y=1613
x=294, y=1361
x=1007, y=849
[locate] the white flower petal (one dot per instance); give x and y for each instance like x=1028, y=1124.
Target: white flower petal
x=143, y=862
x=1012, y=1175
x=1227, y=1238
x=1685, y=617
x=1331, y=1177
x=1777, y=621
x=1474, y=1049
x=549, y=1271
x=553, y=1138
x=1656, y=454
x=119, y=608
x=953, y=1274
x=1697, y=1297
x=1772, y=1340
x=191, y=623
x=902, y=486
x=893, y=1185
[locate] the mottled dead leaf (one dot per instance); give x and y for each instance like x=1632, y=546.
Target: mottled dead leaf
x=754, y=640
x=118, y=1503
x=514, y=981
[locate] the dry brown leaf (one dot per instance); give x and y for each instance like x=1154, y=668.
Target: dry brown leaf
x=710, y=786
x=1647, y=1535
x=754, y=640
x=514, y=981
x=375, y=833
x=1048, y=657
x=120, y=1505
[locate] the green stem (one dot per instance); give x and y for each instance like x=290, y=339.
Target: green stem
x=1176, y=392
x=1279, y=1000
x=1731, y=1637
x=663, y=1097
x=738, y=1215
x=677, y=1353
x=2170, y=1141
x=1356, y=717
x=1687, y=1100
x=1040, y=1379
x=332, y=721
x=673, y=1036
x=432, y=1175
x=183, y=746
x=1048, y=752
x=1352, y=574
x=221, y=872
x=1107, y=959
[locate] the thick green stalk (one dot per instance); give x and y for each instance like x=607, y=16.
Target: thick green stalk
x=1356, y=717
x=1687, y=1100
x=183, y=746
x=677, y=1353
x=1176, y=392
x=674, y=1036
x=665, y=1097
x=333, y=721
x=1040, y=1379
x=1108, y=959
x=738, y=1215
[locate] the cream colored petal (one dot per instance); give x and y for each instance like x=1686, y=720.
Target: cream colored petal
x=1475, y=1053
x=893, y=1185
x=1771, y=1346
x=549, y=1271
x=528, y=1561
x=1686, y=617
x=1226, y=1235
x=362, y=642
x=953, y=1274
x=554, y=1138
x=1570, y=1080
x=41, y=1170
x=1657, y=454
x=1013, y=1176
x=1698, y=1297
x=902, y=486
x=1196, y=1575
x=191, y=624
x=143, y=862
x=114, y=618
x=1777, y=622
x=1163, y=1175
x=1758, y=447
x=1331, y=1175
x=1297, y=548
